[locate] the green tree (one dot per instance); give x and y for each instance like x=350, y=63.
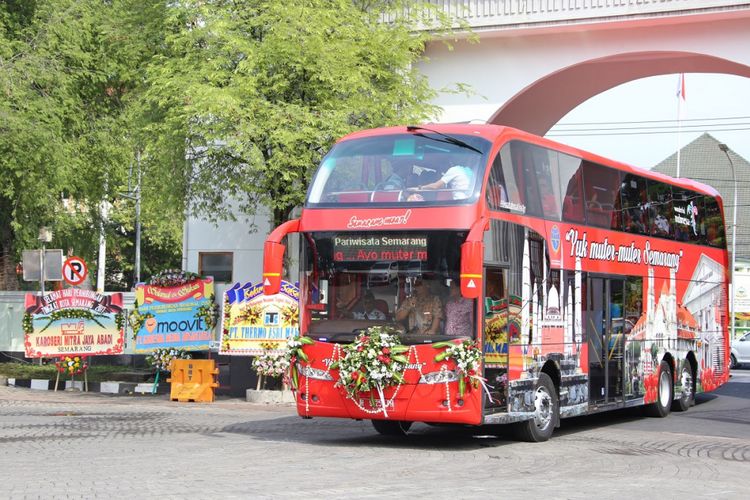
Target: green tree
x=257, y=91
x=71, y=77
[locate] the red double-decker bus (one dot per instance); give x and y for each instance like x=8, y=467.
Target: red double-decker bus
x=587, y=284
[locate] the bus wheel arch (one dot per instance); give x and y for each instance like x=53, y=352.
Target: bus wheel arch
x=665, y=390
x=546, y=412
x=553, y=372
x=687, y=377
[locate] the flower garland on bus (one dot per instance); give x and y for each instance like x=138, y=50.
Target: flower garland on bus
x=373, y=362
x=294, y=354
x=72, y=365
x=467, y=355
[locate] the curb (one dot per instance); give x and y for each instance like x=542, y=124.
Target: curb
x=269, y=397
x=123, y=388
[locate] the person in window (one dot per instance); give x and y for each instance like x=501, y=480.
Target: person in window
x=367, y=309
x=422, y=311
x=400, y=171
x=458, y=312
x=457, y=178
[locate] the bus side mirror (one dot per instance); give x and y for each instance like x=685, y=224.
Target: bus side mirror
x=472, y=257
x=273, y=264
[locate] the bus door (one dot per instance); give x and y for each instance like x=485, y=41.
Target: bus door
x=604, y=333
x=495, y=336
x=615, y=341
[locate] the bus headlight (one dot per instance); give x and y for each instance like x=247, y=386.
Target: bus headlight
x=314, y=373
x=439, y=377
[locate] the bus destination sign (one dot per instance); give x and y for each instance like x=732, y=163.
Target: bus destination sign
x=388, y=246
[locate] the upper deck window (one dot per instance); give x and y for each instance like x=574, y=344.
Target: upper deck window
x=601, y=187
x=420, y=168
x=524, y=178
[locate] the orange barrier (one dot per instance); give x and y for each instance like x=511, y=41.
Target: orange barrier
x=193, y=380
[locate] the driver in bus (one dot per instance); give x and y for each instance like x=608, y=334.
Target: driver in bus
x=422, y=311
x=401, y=169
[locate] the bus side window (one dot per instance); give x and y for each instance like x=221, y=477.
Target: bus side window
x=634, y=201
x=685, y=216
x=496, y=194
x=712, y=227
x=503, y=189
x=600, y=186
x=571, y=183
x=523, y=168
x=660, y=202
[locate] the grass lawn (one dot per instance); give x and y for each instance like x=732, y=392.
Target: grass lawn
x=96, y=373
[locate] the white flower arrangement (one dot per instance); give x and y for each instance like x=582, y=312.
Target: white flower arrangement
x=162, y=357
x=374, y=361
x=467, y=355
x=270, y=364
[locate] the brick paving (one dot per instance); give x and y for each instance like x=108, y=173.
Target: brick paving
x=73, y=445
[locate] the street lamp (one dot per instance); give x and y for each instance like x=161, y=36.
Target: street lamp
x=725, y=149
x=135, y=195
x=45, y=236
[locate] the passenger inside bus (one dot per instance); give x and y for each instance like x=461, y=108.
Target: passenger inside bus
x=401, y=170
x=421, y=313
x=457, y=178
x=458, y=312
x=367, y=308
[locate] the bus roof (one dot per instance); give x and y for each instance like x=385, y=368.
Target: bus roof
x=495, y=133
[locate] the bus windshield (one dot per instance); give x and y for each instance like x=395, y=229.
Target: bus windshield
x=407, y=281
x=420, y=168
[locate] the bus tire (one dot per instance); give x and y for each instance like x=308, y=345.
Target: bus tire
x=665, y=393
x=391, y=427
x=687, y=382
x=546, y=411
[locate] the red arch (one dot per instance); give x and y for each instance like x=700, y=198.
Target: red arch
x=543, y=103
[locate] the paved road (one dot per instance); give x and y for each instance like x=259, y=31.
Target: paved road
x=72, y=445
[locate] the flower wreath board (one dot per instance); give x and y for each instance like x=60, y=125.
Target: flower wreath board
x=251, y=321
x=175, y=309
x=73, y=322
x=72, y=366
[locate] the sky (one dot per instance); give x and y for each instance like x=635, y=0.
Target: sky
x=643, y=115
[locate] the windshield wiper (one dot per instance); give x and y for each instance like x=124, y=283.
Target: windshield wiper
x=446, y=138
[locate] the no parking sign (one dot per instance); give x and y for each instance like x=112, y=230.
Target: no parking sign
x=74, y=270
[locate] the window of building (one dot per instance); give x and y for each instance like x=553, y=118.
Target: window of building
x=216, y=264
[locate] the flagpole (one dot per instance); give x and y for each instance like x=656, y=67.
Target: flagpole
x=680, y=98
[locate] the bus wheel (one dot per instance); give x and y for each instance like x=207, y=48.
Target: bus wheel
x=665, y=394
x=546, y=408
x=391, y=427
x=687, y=398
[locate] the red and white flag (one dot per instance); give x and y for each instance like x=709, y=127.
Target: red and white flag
x=681, y=86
